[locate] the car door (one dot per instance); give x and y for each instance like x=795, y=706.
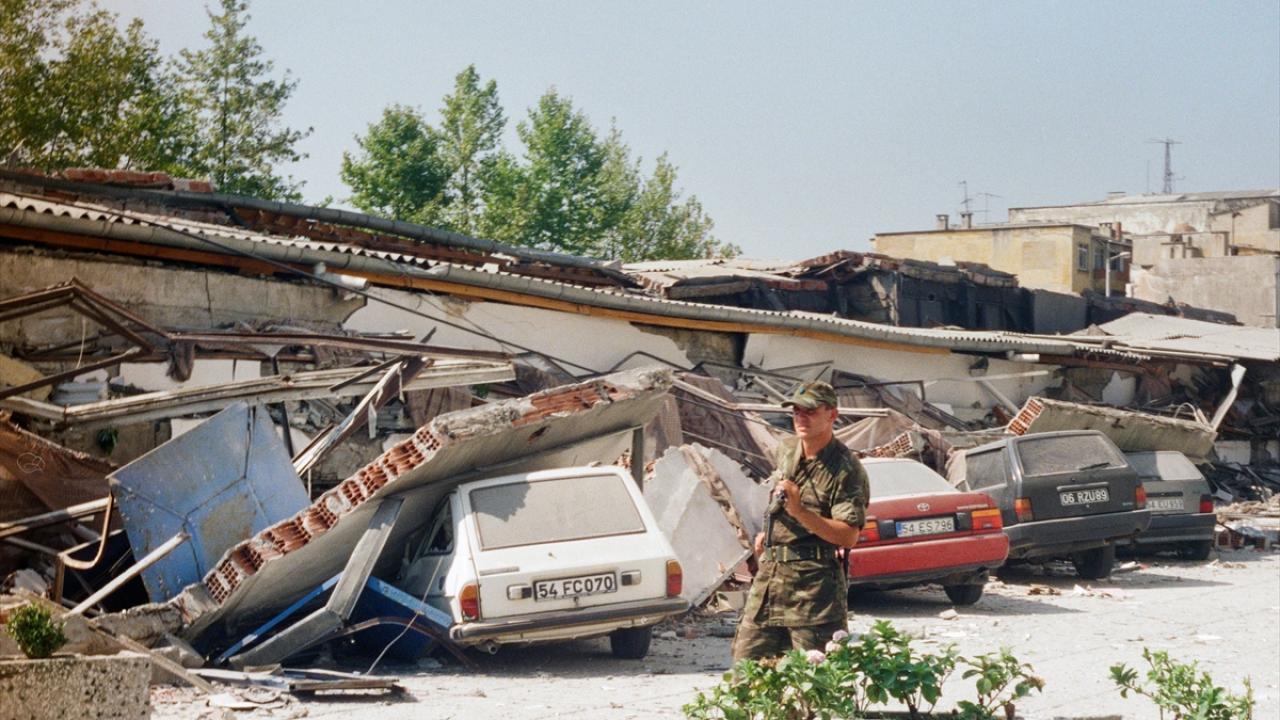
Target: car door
x=427, y=563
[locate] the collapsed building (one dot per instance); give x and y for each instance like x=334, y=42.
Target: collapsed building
x=132, y=307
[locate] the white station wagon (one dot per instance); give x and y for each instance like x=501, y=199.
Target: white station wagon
x=548, y=555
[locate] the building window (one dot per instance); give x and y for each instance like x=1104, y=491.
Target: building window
x=1099, y=259
x=1082, y=258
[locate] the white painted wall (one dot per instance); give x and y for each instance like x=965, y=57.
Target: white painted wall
x=152, y=376
x=950, y=372
x=596, y=343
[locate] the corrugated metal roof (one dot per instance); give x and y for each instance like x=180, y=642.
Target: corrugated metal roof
x=302, y=250
x=1144, y=331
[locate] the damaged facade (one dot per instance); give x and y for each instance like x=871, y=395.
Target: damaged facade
x=356, y=361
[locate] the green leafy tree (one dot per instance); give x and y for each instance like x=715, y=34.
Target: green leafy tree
x=659, y=225
x=399, y=172
x=561, y=176
x=238, y=109
x=471, y=124
x=79, y=91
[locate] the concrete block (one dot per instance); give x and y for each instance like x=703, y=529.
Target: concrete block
x=99, y=687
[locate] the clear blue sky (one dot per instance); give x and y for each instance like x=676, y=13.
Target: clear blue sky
x=807, y=127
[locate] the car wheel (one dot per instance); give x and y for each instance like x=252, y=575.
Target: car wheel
x=963, y=594
x=631, y=643
x=1095, y=564
x=1198, y=550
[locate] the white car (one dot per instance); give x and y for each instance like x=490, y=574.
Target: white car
x=549, y=555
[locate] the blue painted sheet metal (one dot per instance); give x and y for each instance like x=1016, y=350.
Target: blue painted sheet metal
x=383, y=599
x=223, y=481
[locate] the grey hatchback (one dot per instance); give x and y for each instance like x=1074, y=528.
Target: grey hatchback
x=1182, y=517
x=1067, y=494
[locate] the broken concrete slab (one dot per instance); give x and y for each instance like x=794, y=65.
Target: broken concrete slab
x=92, y=687
x=1130, y=430
x=709, y=510
x=571, y=425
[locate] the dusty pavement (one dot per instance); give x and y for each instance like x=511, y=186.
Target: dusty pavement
x=1224, y=613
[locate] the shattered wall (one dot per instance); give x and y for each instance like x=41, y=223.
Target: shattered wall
x=166, y=296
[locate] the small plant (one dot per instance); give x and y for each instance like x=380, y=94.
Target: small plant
x=895, y=671
x=1183, y=690
x=37, y=634
x=852, y=674
x=1000, y=680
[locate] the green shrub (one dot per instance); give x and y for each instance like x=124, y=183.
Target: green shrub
x=854, y=674
x=35, y=631
x=1182, y=689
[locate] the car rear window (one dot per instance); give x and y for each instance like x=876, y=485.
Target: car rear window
x=1067, y=453
x=547, y=511
x=904, y=478
x=1164, y=466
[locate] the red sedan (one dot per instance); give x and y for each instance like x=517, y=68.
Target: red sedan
x=922, y=530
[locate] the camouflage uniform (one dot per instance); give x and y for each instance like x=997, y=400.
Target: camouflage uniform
x=794, y=602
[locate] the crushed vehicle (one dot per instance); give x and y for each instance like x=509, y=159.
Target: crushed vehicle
x=547, y=555
x=1068, y=494
x=1178, y=496
x=920, y=530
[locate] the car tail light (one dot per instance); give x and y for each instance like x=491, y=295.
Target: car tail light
x=469, y=601
x=1206, y=503
x=1140, y=497
x=675, y=578
x=988, y=519
x=870, y=531
x=1022, y=509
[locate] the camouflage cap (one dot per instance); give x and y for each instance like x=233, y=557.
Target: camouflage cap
x=811, y=395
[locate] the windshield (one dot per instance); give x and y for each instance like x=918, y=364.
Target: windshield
x=547, y=511
x=1164, y=466
x=904, y=478
x=1066, y=453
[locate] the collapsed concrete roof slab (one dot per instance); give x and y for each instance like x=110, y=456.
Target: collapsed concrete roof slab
x=569, y=425
x=1128, y=429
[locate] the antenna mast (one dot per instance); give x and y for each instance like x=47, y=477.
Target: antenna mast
x=967, y=202
x=1168, y=161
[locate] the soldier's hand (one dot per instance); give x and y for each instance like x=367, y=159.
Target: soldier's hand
x=792, y=491
x=759, y=544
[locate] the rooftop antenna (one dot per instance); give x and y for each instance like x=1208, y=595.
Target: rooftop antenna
x=986, y=204
x=1168, y=161
x=967, y=202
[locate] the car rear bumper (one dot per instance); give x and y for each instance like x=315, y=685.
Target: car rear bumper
x=560, y=624
x=952, y=559
x=1063, y=536
x=1177, y=527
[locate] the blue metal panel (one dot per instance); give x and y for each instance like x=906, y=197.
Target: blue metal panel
x=223, y=481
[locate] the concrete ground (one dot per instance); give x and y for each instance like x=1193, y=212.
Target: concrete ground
x=1224, y=614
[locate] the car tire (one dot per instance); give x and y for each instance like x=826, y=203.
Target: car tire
x=1095, y=564
x=631, y=643
x=963, y=594
x=1198, y=550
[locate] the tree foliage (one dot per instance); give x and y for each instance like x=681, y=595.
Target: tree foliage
x=79, y=91
x=399, y=173
x=571, y=190
x=469, y=138
x=237, y=107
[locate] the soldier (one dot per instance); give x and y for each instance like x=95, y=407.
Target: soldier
x=798, y=597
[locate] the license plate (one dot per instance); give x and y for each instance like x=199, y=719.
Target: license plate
x=1169, y=503
x=927, y=526
x=1084, y=497
x=575, y=586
